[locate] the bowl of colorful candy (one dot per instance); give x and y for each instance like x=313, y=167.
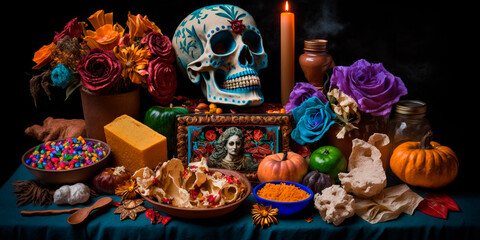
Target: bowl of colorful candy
x=66, y=161
x=289, y=197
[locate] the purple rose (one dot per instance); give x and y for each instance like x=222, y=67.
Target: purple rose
x=300, y=93
x=373, y=88
x=99, y=70
x=159, y=45
x=162, y=80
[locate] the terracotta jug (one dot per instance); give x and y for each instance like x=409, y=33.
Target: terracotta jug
x=99, y=110
x=315, y=61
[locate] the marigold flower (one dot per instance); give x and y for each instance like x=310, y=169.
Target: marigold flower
x=134, y=62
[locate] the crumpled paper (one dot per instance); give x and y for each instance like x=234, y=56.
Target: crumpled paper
x=383, y=144
x=366, y=179
x=388, y=204
x=366, y=176
x=334, y=204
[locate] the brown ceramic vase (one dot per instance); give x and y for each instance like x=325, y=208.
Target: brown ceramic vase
x=315, y=61
x=99, y=110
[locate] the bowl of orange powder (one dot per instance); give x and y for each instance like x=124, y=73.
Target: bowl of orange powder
x=289, y=197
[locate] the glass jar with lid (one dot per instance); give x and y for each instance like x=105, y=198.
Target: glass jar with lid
x=408, y=123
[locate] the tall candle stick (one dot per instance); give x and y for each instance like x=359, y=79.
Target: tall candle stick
x=287, y=53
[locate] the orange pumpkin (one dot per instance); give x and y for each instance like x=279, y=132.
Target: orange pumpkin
x=424, y=164
x=286, y=166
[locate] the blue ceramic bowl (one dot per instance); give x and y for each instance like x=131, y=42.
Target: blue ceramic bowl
x=284, y=208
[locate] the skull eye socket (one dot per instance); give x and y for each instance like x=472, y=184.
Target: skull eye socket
x=253, y=41
x=222, y=43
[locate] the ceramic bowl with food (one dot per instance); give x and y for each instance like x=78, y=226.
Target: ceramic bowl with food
x=285, y=208
x=203, y=213
x=71, y=173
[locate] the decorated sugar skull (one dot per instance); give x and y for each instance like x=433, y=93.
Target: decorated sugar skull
x=220, y=48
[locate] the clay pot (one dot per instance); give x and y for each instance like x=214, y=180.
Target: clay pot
x=315, y=61
x=99, y=110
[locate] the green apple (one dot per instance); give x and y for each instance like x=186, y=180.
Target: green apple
x=329, y=160
x=162, y=120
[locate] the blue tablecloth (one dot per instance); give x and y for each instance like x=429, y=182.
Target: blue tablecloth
x=104, y=224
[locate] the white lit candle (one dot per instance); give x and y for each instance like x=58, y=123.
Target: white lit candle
x=287, y=53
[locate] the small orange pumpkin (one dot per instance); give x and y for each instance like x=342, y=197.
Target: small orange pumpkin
x=424, y=164
x=286, y=166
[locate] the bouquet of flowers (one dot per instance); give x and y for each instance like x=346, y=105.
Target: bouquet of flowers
x=362, y=87
x=108, y=59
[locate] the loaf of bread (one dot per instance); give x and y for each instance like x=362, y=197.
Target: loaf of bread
x=134, y=145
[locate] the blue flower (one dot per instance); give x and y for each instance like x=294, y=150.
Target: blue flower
x=313, y=119
x=61, y=76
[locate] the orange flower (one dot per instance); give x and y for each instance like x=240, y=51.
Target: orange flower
x=139, y=25
x=106, y=35
x=43, y=55
x=99, y=19
x=134, y=62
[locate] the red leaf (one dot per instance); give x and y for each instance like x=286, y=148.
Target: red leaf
x=116, y=204
x=165, y=220
x=446, y=200
x=433, y=208
x=152, y=215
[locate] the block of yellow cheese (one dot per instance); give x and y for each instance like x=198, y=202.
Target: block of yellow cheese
x=134, y=145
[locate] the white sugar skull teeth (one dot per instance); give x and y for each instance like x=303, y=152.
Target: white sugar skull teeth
x=220, y=48
x=244, y=82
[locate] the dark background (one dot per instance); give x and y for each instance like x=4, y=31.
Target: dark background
x=426, y=44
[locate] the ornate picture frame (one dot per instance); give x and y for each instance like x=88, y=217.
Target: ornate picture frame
x=263, y=134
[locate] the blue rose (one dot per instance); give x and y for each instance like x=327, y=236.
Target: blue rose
x=313, y=119
x=61, y=76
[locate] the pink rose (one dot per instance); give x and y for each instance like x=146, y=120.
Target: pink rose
x=162, y=80
x=159, y=45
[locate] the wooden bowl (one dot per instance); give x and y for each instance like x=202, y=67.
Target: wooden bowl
x=199, y=213
x=70, y=176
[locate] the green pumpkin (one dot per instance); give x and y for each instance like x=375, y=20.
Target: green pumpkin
x=162, y=120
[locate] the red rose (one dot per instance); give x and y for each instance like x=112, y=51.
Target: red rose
x=72, y=29
x=99, y=70
x=257, y=135
x=210, y=148
x=161, y=81
x=159, y=45
x=210, y=135
x=237, y=26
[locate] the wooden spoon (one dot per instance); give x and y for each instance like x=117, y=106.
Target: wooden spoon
x=80, y=215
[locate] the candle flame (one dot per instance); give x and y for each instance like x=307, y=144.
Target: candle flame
x=286, y=6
